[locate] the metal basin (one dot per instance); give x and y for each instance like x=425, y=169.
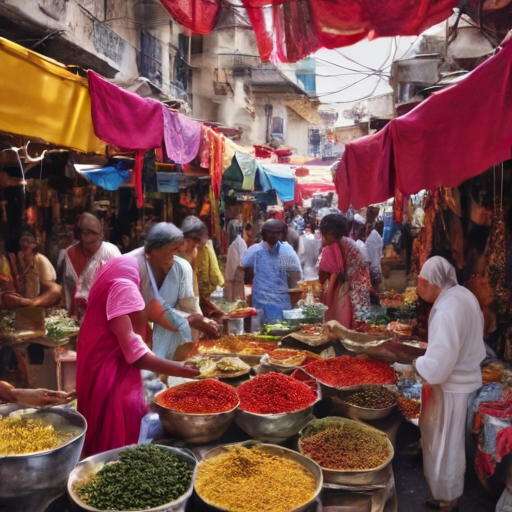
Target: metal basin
x=30, y=482
x=356, y=412
x=275, y=428
x=194, y=428
x=311, y=466
x=93, y=464
x=355, y=477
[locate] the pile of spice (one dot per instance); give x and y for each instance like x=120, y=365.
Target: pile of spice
x=144, y=477
x=344, y=445
x=409, y=407
x=275, y=393
x=207, y=396
x=253, y=480
x=250, y=345
x=348, y=371
x=372, y=398
x=19, y=435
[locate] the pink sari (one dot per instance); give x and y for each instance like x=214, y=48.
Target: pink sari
x=337, y=297
x=109, y=388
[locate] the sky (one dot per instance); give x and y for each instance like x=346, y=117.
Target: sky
x=355, y=72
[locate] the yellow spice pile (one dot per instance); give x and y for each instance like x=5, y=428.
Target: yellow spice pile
x=252, y=480
x=21, y=435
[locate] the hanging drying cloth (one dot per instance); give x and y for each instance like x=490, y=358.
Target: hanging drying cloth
x=182, y=137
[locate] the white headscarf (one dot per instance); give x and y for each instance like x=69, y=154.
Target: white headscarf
x=440, y=272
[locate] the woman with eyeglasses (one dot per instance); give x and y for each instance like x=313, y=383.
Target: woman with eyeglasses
x=79, y=264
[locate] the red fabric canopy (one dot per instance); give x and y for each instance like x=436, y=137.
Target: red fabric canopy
x=300, y=27
x=452, y=136
x=200, y=16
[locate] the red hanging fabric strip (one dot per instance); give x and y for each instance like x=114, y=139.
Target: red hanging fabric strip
x=137, y=177
x=199, y=16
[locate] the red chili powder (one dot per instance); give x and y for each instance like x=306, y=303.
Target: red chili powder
x=274, y=393
x=207, y=396
x=349, y=371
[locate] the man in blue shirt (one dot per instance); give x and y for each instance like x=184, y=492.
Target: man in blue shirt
x=276, y=269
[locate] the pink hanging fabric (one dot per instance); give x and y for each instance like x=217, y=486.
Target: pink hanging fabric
x=109, y=388
x=441, y=142
x=458, y=132
x=122, y=118
x=364, y=175
x=126, y=120
x=182, y=137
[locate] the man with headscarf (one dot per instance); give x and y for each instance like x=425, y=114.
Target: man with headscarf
x=276, y=269
x=451, y=369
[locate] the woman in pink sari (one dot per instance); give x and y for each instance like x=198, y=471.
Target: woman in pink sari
x=346, y=271
x=111, y=353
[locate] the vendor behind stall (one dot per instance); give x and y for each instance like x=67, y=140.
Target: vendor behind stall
x=111, y=351
x=451, y=369
x=79, y=264
x=32, y=277
x=276, y=270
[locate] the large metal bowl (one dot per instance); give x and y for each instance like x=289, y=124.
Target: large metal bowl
x=93, y=464
x=30, y=482
x=275, y=428
x=356, y=477
x=311, y=466
x=194, y=428
x=343, y=408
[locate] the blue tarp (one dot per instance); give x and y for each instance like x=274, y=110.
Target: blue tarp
x=282, y=182
x=110, y=177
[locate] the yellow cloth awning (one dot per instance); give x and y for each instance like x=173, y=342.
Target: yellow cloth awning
x=40, y=98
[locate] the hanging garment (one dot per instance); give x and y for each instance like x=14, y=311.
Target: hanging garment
x=126, y=120
x=199, y=16
x=182, y=137
x=204, y=149
x=216, y=160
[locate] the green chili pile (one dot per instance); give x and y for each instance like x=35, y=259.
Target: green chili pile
x=344, y=445
x=144, y=477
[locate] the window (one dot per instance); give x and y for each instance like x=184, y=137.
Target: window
x=150, y=58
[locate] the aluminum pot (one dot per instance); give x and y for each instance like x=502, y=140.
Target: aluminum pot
x=355, y=477
x=30, y=482
x=194, y=428
x=311, y=466
x=93, y=464
x=275, y=428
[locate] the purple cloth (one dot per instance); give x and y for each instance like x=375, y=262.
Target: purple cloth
x=182, y=137
x=122, y=118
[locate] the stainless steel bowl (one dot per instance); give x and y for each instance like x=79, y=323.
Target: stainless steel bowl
x=356, y=477
x=343, y=408
x=93, y=464
x=30, y=482
x=311, y=466
x=275, y=428
x=194, y=428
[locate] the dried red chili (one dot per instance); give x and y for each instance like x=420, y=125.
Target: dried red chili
x=207, y=396
x=275, y=393
x=409, y=408
x=348, y=371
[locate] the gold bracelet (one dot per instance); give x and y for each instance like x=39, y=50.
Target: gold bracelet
x=8, y=384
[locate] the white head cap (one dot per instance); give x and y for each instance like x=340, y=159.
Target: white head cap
x=440, y=272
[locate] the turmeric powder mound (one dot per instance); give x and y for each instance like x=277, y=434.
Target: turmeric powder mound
x=253, y=480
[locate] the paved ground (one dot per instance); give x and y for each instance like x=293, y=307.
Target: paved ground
x=412, y=490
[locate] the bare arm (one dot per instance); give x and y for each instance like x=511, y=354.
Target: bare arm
x=294, y=276
x=50, y=297
x=140, y=356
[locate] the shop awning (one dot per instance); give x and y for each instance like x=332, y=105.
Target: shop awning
x=452, y=136
x=40, y=98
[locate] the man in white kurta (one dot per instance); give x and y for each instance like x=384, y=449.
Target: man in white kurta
x=234, y=288
x=451, y=369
